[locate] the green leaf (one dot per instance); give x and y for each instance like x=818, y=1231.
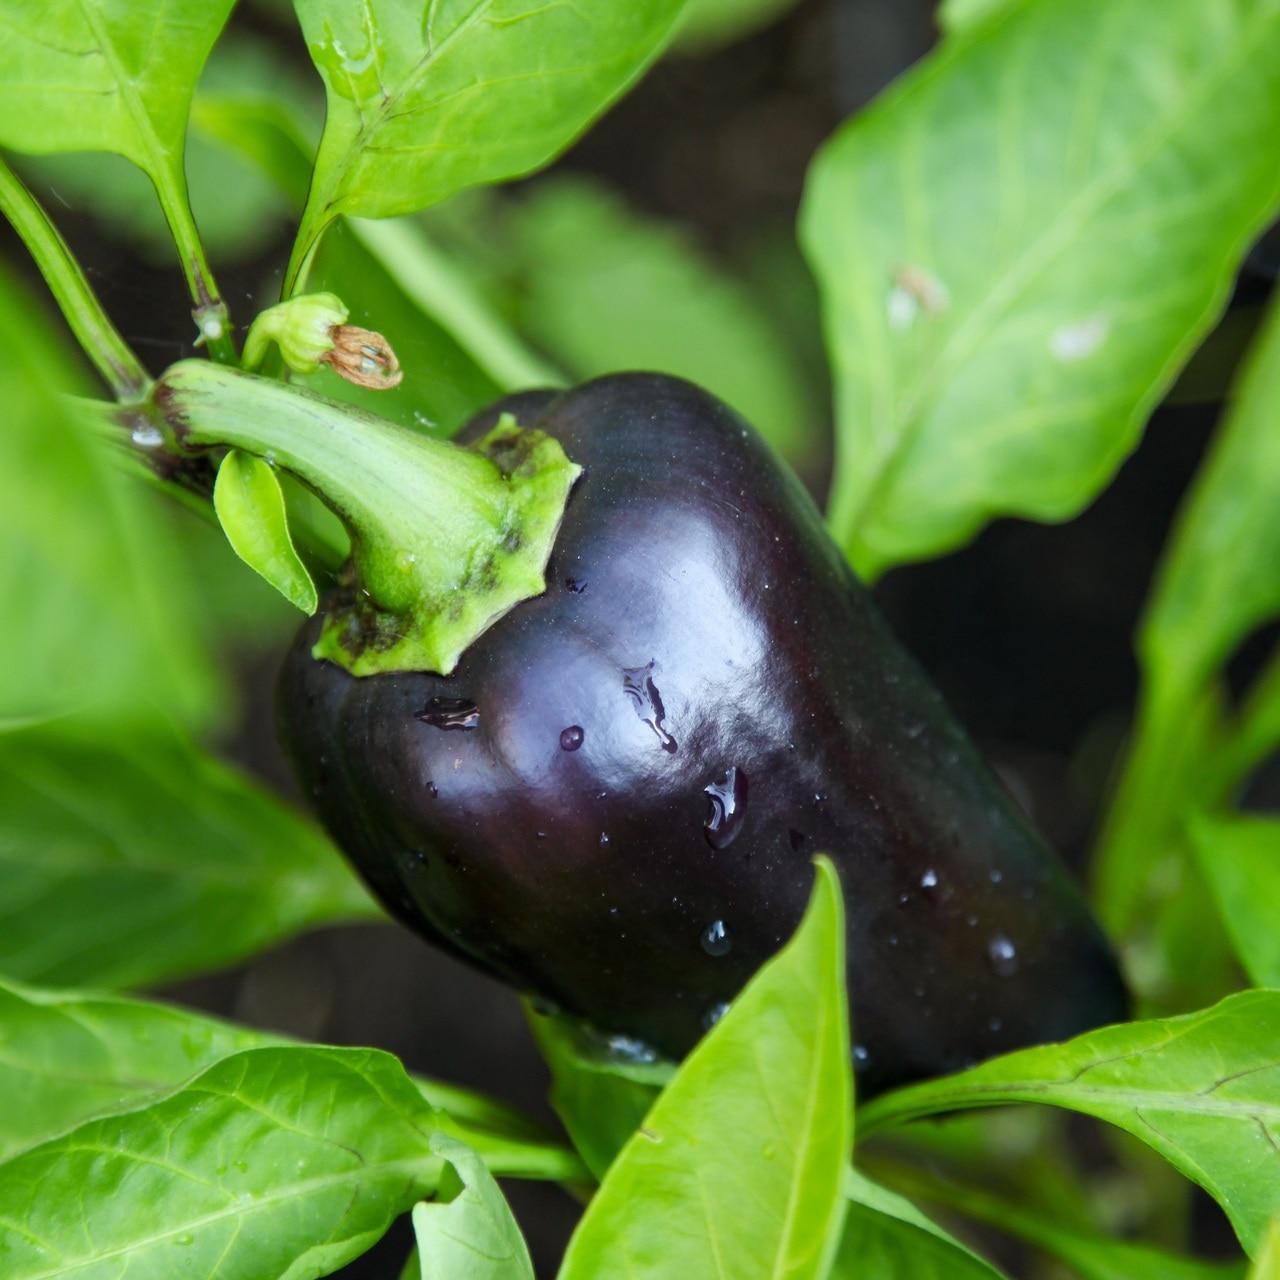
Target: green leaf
x=97, y=607
x=249, y=106
x=1019, y=244
x=129, y=861
x=279, y=1162
x=250, y=506
x=604, y=289
x=1240, y=860
x=738, y=1169
x=426, y=100
x=116, y=75
x=67, y=1056
x=599, y=1104
x=105, y=75
x=241, y=212
x=888, y=1238
x=469, y=1230
x=1202, y=1089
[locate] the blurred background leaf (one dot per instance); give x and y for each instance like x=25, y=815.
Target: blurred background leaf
x=1219, y=578
x=1240, y=860
x=604, y=288
x=1217, y=583
x=130, y=860
x=886, y=1236
x=709, y=24
x=599, y=1102
x=954, y=15
x=100, y=605
x=1090, y=1254
x=1267, y=1266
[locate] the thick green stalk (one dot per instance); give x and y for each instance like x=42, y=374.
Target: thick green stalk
x=445, y=539
x=120, y=368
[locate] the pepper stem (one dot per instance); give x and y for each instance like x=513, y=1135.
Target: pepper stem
x=445, y=539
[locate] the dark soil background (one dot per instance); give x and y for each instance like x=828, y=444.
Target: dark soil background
x=1027, y=632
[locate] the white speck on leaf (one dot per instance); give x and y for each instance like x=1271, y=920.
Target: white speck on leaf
x=902, y=309
x=1072, y=342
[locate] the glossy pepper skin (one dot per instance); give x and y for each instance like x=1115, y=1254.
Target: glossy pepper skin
x=613, y=800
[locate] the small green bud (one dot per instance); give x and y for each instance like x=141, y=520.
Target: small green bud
x=302, y=327
x=311, y=331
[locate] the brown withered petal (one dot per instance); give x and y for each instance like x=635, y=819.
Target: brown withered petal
x=363, y=357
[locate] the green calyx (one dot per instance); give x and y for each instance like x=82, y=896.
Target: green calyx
x=445, y=539
x=447, y=608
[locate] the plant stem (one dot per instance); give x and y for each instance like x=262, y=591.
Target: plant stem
x=210, y=314
x=516, y=1158
x=111, y=356
x=300, y=259
x=444, y=539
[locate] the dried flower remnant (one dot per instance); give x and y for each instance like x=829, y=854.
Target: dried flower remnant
x=312, y=330
x=363, y=357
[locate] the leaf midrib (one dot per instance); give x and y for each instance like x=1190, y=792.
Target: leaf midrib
x=781, y=1262
x=155, y=154
x=361, y=1173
